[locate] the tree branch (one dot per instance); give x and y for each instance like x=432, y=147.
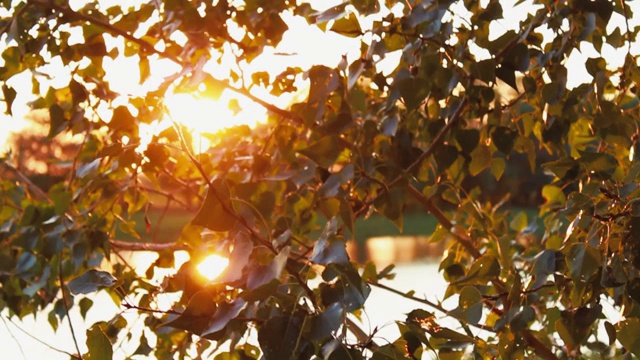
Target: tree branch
x=144, y=246
x=461, y=237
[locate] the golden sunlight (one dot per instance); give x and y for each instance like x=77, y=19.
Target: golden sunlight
x=206, y=115
x=212, y=266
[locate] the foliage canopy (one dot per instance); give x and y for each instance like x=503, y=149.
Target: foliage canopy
x=458, y=105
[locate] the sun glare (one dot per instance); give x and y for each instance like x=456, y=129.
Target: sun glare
x=212, y=266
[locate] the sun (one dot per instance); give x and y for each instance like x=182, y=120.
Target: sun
x=204, y=115
x=212, y=266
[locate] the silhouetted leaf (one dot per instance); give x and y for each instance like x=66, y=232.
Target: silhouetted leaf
x=263, y=275
x=216, y=210
x=504, y=138
x=224, y=313
x=279, y=338
x=327, y=322
x=197, y=314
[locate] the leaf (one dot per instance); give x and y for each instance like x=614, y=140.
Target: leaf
x=469, y=305
x=480, y=160
x=98, y=345
x=88, y=168
x=629, y=335
x=484, y=70
x=145, y=69
x=504, y=139
x=224, y=313
x=279, y=338
x=9, y=96
x=347, y=26
x=583, y=261
x=263, y=275
x=327, y=322
x=216, y=212
x=58, y=120
x=468, y=139
x=327, y=252
x=333, y=183
x=574, y=326
x=331, y=13
x=497, y=167
x=564, y=168
x=445, y=156
x=143, y=348
x=323, y=152
x=242, y=248
x=26, y=262
x=91, y=281
x=482, y=271
x=600, y=165
x=413, y=91
x=195, y=317
x=350, y=290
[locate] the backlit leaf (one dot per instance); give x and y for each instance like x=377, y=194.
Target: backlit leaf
x=91, y=281
x=217, y=212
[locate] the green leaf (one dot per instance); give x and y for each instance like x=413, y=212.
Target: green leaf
x=91, y=281
x=324, y=152
x=629, y=335
x=480, y=160
x=482, y=271
x=553, y=195
x=600, y=165
x=98, y=345
x=469, y=305
x=583, y=261
x=85, y=304
x=216, y=212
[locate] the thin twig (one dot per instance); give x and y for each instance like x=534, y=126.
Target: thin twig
x=431, y=304
x=66, y=308
x=13, y=337
x=75, y=356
